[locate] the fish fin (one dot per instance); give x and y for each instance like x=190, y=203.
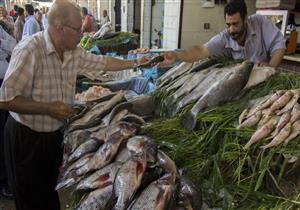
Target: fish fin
x=189, y=120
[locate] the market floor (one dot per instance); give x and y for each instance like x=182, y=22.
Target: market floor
x=6, y=204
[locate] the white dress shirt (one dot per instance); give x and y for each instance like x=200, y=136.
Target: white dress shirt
x=31, y=27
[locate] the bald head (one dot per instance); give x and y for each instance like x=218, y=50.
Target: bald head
x=62, y=12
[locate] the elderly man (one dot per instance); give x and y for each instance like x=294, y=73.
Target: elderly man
x=253, y=38
x=7, y=44
x=38, y=87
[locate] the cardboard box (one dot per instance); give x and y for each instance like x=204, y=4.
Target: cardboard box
x=276, y=4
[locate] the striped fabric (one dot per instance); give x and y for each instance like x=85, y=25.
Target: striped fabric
x=37, y=73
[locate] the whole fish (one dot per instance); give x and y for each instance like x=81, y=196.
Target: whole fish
x=188, y=86
x=251, y=121
x=97, y=111
x=284, y=119
x=295, y=114
x=143, y=144
x=261, y=133
x=128, y=180
x=106, y=153
x=101, y=178
x=289, y=105
x=214, y=76
x=280, y=137
x=282, y=101
x=100, y=199
x=89, y=146
x=294, y=133
x=222, y=91
x=156, y=196
x=167, y=77
x=243, y=115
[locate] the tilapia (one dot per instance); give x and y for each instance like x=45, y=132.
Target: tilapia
x=289, y=105
x=97, y=111
x=106, y=153
x=128, y=180
x=101, y=178
x=280, y=137
x=261, y=133
x=199, y=90
x=99, y=199
x=143, y=144
x=89, y=146
x=156, y=196
x=222, y=91
x=123, y=155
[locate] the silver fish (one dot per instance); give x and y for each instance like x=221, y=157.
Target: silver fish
x=128, y=180
x=101, y=178
x=222, y=91
x=156, y=196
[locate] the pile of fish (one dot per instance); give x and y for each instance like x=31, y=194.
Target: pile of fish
x=276, y=116
x=203, y=82
x=115, y=168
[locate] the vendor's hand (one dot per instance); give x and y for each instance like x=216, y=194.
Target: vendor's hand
x=170, y=58
x=263, y=64
x=60, y=110
x=143, y=60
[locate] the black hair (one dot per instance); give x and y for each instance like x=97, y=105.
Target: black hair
x=20, y=11
x=29, y=9
x=84, y=10
x=236, y=6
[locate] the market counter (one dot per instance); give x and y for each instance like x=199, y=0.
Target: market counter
x=290, y=63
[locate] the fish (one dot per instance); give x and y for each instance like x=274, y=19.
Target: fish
x=143, y=144
x=280, y=137
x=289, y=106
x=123, y=155
x=119, y=107
x=179, y=82
x=128, y=180
x=119, y=116
x=99, y=199
x=101, y=178
x=284, y=119
x=89, y=146
x=243, y=115
x=261, y=133
x=133, y=118
x=251, y=121
x=259, y=75
x=103, y=156
x=170, y=74
x=97, y=111
x=282, y=101
x=295, y=114
x=199, y=90
x=156, y=196
x=189, y=193
x=294, y=133
x=222, y=91
x=167, y=164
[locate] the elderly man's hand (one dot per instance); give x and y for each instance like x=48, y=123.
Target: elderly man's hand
x=143, y=60
x=60, y=110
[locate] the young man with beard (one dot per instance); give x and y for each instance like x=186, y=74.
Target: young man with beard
x=252, y=38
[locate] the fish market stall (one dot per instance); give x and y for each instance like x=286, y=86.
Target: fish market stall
x=218, y=131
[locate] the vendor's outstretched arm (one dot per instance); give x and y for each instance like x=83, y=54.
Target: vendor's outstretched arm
x=114, y=64
x=277, y=57
x=191, y=55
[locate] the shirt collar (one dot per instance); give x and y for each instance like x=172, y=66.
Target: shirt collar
x=49, y=45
